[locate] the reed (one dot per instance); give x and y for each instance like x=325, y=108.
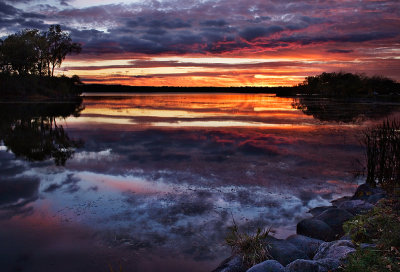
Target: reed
x=383, y=154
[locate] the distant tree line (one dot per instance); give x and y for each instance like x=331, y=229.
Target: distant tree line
x=36, y=53
x=348, y=84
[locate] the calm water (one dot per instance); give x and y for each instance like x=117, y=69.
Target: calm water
x=151, y=182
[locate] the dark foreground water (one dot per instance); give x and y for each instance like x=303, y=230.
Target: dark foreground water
x=151, y=182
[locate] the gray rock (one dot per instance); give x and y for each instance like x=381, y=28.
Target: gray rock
x=323, y=265
x=318, y=210
x=329, y=264
x=301, y=265
x=283, y=251
x=356, y=206
x=315, y=228
x=373, y=199
x=338, y=201
x=335, y=219
x=306, y=244
x=231, y=264
x=365, y=245
x=267, y=266
x=337, y=250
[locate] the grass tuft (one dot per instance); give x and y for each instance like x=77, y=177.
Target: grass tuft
x=253, y=248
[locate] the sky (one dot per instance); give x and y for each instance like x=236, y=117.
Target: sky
x=217, y=42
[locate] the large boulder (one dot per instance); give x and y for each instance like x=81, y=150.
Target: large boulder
x=315, y=228
x=283, y=251
x=267, y=266
x=368, y=193
x=356, y=206
x=231, y=264
x=335, y=218
x=337, y=250
x=306, y=244
x=318, y=210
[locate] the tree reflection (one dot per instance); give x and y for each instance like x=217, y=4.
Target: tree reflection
x=30, y=130
x=342, y=110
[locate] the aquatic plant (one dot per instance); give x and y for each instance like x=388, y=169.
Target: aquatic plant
x=382, y=145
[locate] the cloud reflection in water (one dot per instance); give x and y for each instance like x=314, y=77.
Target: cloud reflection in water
x=164, y=173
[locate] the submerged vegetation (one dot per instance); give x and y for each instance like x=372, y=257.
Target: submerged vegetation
x=27, y=62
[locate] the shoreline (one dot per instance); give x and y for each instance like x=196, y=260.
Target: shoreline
x=320, y=242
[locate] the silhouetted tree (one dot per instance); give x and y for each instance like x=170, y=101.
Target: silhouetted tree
x=20, y=52
x=31, y=131
x=59, y=45
x=347, y=84
x=32, y=52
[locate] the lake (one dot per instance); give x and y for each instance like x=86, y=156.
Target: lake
x=151, y=182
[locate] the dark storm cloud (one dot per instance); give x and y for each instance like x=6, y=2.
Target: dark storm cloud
x=251, y=33
x=14, y=19
x=215, y=27
x=6, y=9
x=171, y=23
x=350, y=37
x=215, y=23
x=340, y=51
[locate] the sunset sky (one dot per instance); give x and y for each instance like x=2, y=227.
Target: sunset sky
x=217, y=42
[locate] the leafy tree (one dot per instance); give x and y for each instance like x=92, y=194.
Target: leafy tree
x=32, y=52
x=59, y=45
x=20, y=53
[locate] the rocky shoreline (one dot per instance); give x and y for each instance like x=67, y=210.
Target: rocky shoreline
x=320, y=244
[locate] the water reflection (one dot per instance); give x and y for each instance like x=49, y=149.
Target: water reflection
x=343, y=110
x=30, y=130
x=159, y=176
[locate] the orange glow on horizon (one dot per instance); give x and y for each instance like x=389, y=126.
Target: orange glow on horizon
x=278, y=68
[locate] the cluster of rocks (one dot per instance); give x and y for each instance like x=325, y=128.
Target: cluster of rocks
x=319, y=244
